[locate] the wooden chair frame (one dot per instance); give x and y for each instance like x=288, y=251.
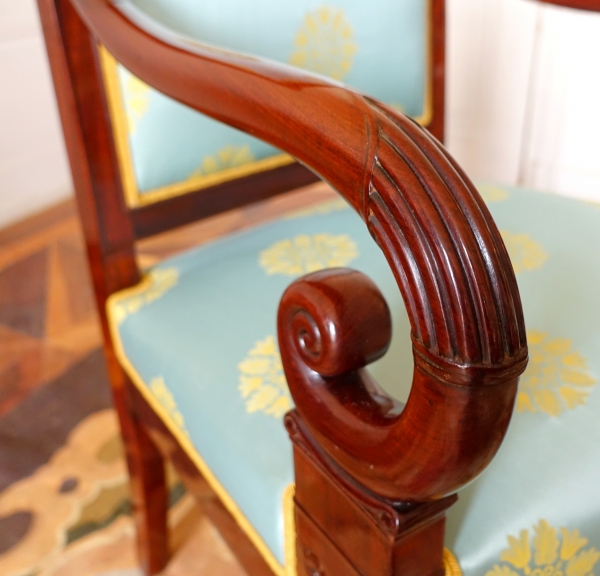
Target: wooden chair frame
x=591, y=5
x=383, y=472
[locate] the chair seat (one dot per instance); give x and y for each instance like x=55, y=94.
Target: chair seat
x=198, y=338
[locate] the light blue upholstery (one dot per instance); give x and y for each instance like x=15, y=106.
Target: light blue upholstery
x=201, y=338
x=379, y=48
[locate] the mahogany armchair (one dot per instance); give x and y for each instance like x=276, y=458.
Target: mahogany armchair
x=195, y=370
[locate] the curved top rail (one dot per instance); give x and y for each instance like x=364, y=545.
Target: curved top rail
x=435, y=231
x=592, y=5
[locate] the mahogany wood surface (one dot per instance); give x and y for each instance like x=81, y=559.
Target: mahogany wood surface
x=160, y=217
x=90, y=145
x=440, y=241
x=109, y=240
x=593, y=5
x=338, y=519
x=437, y=125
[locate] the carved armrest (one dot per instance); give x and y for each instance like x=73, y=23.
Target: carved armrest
x=436, y=233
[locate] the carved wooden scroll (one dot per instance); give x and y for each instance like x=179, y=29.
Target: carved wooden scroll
x=437, y=235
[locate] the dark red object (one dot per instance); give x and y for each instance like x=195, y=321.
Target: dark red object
x=373, y=477
x=593, y=5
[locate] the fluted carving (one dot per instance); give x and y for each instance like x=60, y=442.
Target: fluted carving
x=437, y=235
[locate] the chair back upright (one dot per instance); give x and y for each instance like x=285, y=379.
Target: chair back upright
x=128, y=144
x=593, y=5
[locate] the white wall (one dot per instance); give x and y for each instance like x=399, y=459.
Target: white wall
x=523, y=85
x=33, y=166
x=562, y=141
x=523, y=94
x=489, y=50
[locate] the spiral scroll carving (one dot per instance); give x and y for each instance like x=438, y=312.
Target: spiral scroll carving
x=309, y=341
x=467, y=326
x=331, y=329
x=440, y=241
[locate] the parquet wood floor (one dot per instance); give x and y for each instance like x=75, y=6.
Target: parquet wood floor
x=47, y=316
x=48, y=320
x=53, y=387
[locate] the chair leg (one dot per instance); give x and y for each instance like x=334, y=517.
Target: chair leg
x=149, y=501
x=146, y=466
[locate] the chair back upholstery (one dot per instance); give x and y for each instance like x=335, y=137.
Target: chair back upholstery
x=143, y=164
x=166, y=149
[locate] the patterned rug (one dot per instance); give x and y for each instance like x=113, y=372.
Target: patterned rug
x=64, y=501
x=64, y=504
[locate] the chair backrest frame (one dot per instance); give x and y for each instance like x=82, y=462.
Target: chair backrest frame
x=110, y=227
x=592, y=5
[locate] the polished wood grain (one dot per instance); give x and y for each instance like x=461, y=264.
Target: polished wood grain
x=109, y=239
x=388, y=465
x=593, y=5
x=331, y=325
x=156, y=218
x=90, y=145
x=437, y=62
x=344, y=529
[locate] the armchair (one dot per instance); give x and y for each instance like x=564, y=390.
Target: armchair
x=191, y=345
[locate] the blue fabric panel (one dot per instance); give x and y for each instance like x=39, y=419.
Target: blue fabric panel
x=546, y=475
x=207, y=332
x=378, y=48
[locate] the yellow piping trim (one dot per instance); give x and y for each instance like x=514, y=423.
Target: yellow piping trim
x=183, y=439
x=199, y=182
x=427, y=115
x=119, y=124
x=134, y=198
x=289, y=530
x=451, y=565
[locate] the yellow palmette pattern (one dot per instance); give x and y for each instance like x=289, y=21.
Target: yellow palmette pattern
x=262, y=383
x=547, y=552
x=324, y=43
x=303, y=254
x=557, y=377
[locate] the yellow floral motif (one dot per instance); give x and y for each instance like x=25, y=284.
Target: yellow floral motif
x=324, y=43
x=324, y=208
x=262, y=382
x=492, y=193
x=556, y=379
x=157, y=283
x=228, y=157
x=552, y=555
x=165, y=397
x=303, y=254
x=525, y=253
x=137, y=97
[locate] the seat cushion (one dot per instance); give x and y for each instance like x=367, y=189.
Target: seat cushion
x=198, y=338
